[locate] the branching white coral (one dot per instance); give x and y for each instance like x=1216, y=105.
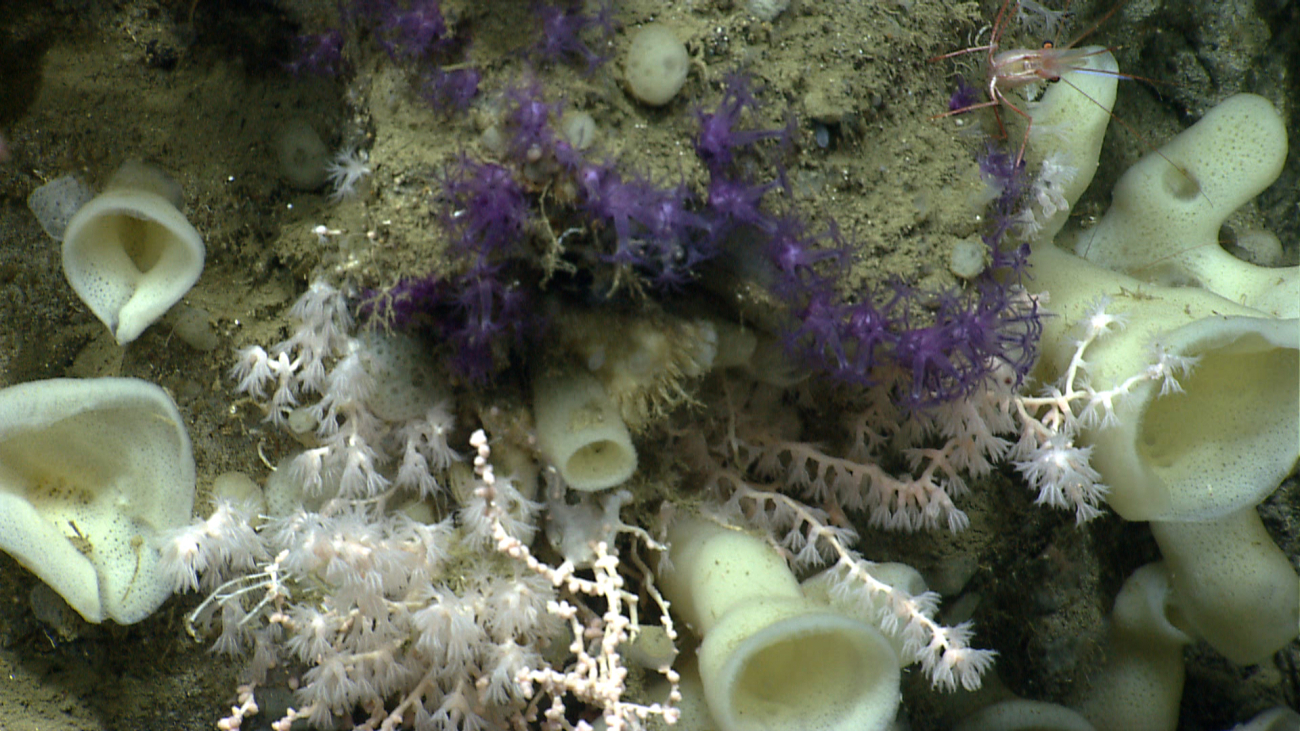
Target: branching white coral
x=1046, y=453
x=944, y=652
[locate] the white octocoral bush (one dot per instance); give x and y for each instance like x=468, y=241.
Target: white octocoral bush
x=401, y=584
x=383, y=588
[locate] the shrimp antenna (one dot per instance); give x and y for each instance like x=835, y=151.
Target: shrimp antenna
x=1138, y=135
x=1094, y=25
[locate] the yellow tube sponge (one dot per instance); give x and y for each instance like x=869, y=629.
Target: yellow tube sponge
x=1166, y=211
x=1141, y=684
x=580, y=432
x=769, y=657
x=1225, y=570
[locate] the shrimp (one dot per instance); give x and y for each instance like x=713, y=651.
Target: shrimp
x=1021, y=67
x=1012, y=69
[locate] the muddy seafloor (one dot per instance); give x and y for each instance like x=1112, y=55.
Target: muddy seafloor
x=200, y=88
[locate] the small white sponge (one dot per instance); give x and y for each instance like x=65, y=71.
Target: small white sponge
x=657, y=64
x=130, y=254
x=91, y=471
x=56, y=202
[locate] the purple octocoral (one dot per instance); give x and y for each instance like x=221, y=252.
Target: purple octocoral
x=795, y=256
x=738, y=202
x=1007, y=182
x=719, y=136
x=655, y=229
x=561, y=28
x=486, y=211
x=965, y=335
x=527, y=121
x=488, y=307
x=843, y=341
x=964, y=97
x=413, y=30
x=320, y=54
x=410, y=304
x=486, y=214
x=951, y=358
x=990, y=322
x=946, y=342
x=478, y=314
x=450, y=91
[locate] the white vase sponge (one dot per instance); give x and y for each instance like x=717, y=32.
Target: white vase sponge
x=91, y=473
x=129, y=253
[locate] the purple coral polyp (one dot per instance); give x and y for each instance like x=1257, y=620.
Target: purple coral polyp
x=319, y=54
x=416, y=30
x=656, y=230
x=561, y=27
x=450, y=91
x=964, y=97
x=487, y=210
x=528, y=120
x=720, y=135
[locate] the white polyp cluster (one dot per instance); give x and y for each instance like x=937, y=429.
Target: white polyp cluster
x=347, y=171
x=206, y=552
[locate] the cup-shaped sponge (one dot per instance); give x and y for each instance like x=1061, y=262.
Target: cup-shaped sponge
x=130, y=254
x=91, y=471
